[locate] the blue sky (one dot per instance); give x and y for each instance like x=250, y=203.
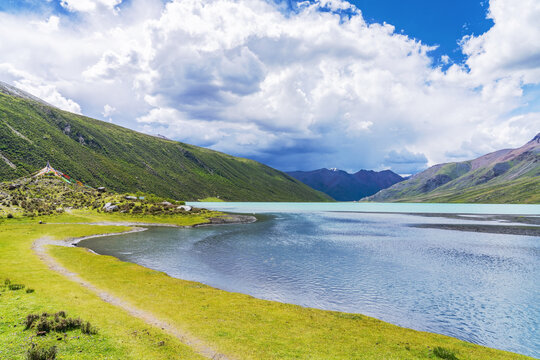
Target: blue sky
x=442, y=23
x=296, y=85
x=21, y=6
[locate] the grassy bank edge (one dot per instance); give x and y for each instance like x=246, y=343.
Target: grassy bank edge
x=120, y=336
x=257, y=329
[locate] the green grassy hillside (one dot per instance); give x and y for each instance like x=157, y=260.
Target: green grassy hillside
x=505, y=176
x=103, y=154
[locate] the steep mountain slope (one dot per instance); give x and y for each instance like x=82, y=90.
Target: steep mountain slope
x=103, y=154
x=343, y=186
x=504, y=176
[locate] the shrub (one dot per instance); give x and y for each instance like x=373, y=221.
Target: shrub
x=443, y=353
x=86, y=328
x=60, y=325
x=58, y=322
x=10, y=216
x=43, y=325
x=136, y=209
x=37, y=352
x=15, y=287
x=30, y=319
x=29, y=291
x=71, y=324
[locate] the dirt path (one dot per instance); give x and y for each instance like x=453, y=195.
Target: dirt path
x=196, y=344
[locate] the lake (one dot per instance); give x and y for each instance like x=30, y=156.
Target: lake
x=479, y=287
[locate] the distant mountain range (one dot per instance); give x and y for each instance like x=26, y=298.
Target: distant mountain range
x=504, y=176
x=343, y=186
x=102, y=154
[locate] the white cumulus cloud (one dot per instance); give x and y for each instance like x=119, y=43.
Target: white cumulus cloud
x=511, y=47
x=301, y=89
x=37, y=87
x=108, y=110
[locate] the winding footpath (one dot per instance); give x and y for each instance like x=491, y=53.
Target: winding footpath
x=196, y=344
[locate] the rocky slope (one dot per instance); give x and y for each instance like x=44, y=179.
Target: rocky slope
x=48, y=195
x=343, y=186
x=102, y=154
x=504, y=176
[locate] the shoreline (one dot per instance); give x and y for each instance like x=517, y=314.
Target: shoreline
x=522, y=230
x=183, y=335
x=229, y=219
x=515, y=218
x=73, y=243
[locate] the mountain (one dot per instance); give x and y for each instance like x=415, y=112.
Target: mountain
x=504, y=176
x=343, y=186
x=102, y=154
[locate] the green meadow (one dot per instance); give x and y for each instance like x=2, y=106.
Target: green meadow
x=237, y=325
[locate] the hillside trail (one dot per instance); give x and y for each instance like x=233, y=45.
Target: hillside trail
x=186, y=338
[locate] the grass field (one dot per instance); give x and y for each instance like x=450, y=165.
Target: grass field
x=120, y=336
x=238, y=325
x=211, y=199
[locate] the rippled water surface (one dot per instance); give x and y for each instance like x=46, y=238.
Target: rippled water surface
x=478, y=287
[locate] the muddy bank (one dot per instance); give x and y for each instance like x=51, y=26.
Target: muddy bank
x=230, y=219
x=493, y=229
x=501, y=219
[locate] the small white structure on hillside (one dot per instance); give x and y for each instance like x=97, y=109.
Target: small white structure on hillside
x=49, y=170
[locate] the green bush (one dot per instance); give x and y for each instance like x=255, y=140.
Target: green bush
x=44, y=325
x=58, y=322
x=15, y=287
x=30, y=319
x=70, y=324
x=61, y=314
x=443, y=353
x=87, y=328
x=37, y=352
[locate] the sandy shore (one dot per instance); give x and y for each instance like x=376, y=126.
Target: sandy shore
x=521, y=219
x=502, y=224
x=230, y=219
x=492, y=229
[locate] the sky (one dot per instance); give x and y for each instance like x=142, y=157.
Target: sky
x=365, y=84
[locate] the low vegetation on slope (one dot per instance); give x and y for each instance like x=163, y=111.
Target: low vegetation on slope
x=103, y=154
x=49, y=195
x=505, y=176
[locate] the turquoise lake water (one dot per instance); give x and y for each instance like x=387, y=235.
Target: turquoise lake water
x=479, y=287
x=260, y=207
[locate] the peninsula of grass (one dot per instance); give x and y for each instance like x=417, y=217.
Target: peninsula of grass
x=237, y=325
x=211, y=199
